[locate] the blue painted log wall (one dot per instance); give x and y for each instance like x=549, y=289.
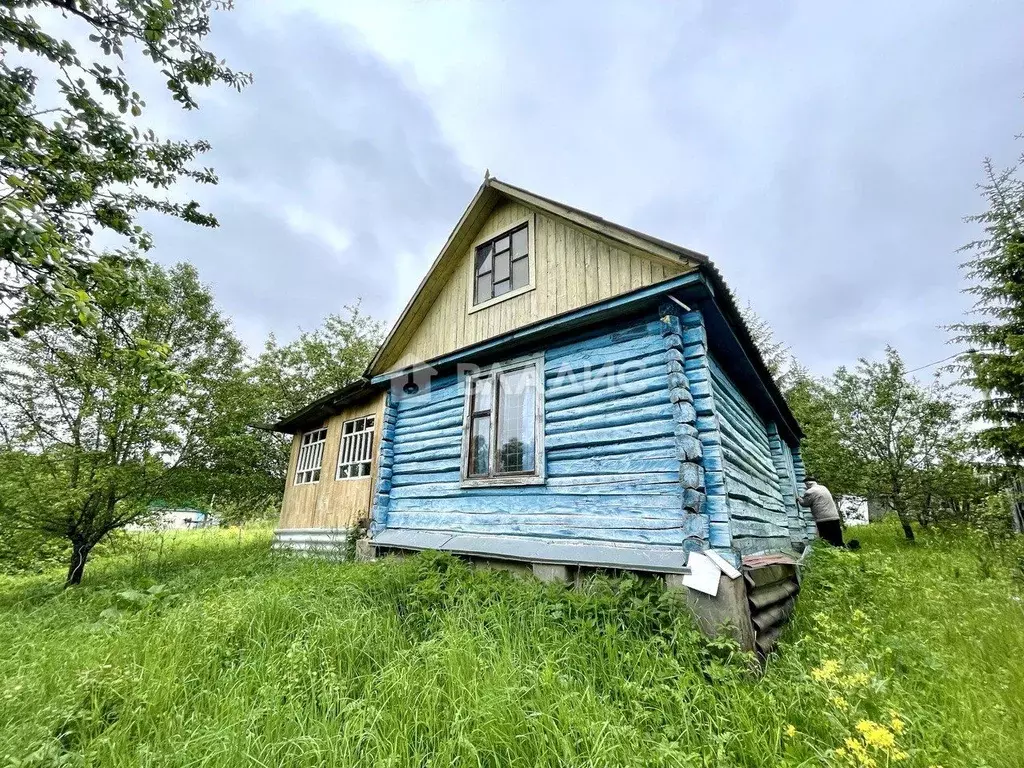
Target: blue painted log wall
x=757, y=512
x=612, y=460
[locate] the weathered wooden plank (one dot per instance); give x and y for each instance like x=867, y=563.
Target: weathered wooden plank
x=617, y=380
x=660, y=485
x=409, y=424
x=646, y=349
x=555, y=413
x=631, y=333
x=405, y=447
x=612, y=466
x=666, y=444
x=600, y=530
x=612, y=434
x=660, y=412
x=627, y=385
x=744, y=527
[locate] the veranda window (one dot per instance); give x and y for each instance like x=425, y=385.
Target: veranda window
x=311, y=456
x=503, y=441
x=356, y=454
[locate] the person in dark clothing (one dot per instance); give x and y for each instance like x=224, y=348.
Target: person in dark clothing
x=824, y=511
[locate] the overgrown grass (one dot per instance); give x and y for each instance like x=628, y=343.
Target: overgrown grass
x=217, y=653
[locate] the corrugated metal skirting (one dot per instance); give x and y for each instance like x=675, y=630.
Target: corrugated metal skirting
x=771, y=593
x=311, y=541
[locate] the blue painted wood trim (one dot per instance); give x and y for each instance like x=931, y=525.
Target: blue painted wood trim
x=539, y=550
x=385, y=462
x=690, y=451
x=694, y=347
x=559, y=323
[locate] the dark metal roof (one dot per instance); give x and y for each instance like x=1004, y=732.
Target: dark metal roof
x=319, y=411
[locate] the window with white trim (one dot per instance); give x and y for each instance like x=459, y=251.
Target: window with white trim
x=502, y=265
x=311, y=456
x=356, y=454
x=503, y=427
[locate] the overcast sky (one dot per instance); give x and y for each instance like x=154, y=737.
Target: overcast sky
x=823, y=158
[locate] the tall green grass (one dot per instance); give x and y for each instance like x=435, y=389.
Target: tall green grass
x=214, y=652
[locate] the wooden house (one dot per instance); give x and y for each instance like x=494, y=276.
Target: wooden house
x=564, y=393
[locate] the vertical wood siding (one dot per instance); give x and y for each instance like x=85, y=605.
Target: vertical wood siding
x=756, y=509
x=611, y=455
x=332, y=503
x=571, y=268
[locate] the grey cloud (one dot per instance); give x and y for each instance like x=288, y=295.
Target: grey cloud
x=332, y=170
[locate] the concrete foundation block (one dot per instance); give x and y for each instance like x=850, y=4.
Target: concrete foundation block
x=726, y=612
x=549, y=572
x=365, y=551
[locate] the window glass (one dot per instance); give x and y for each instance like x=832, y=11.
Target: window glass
x=517, y=392
x=482, y=395
x=519, y=243
x=480, y=445
x=520, y=273
x=502, y=265
x=483, y=259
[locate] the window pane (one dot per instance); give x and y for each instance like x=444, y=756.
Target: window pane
x=480, y=445
x=483, y=288
x=482, y=395
x=502, y=288
x=501, y=267
x=483, y=258
x=520, y=273
x=501, y=245
x=517, y=393
x=520, y=242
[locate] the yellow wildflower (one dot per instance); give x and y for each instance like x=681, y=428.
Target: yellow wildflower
x=856, y=680
x=840, y=752
x=894, y=721
x=876, y=735
x=839, y=702
x=828, y=670
x=899, y=754
x=790, y=730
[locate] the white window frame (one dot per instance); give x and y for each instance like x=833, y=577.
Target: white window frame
x=531, y=233
x=539, y=475
x=356, y=447
x=310, y=461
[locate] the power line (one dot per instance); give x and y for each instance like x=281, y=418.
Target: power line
x=929, y=365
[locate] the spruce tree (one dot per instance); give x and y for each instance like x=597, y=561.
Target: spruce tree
x=995, y=363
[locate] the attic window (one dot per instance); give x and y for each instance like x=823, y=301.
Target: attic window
x=311, y=456
x=502, y=265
